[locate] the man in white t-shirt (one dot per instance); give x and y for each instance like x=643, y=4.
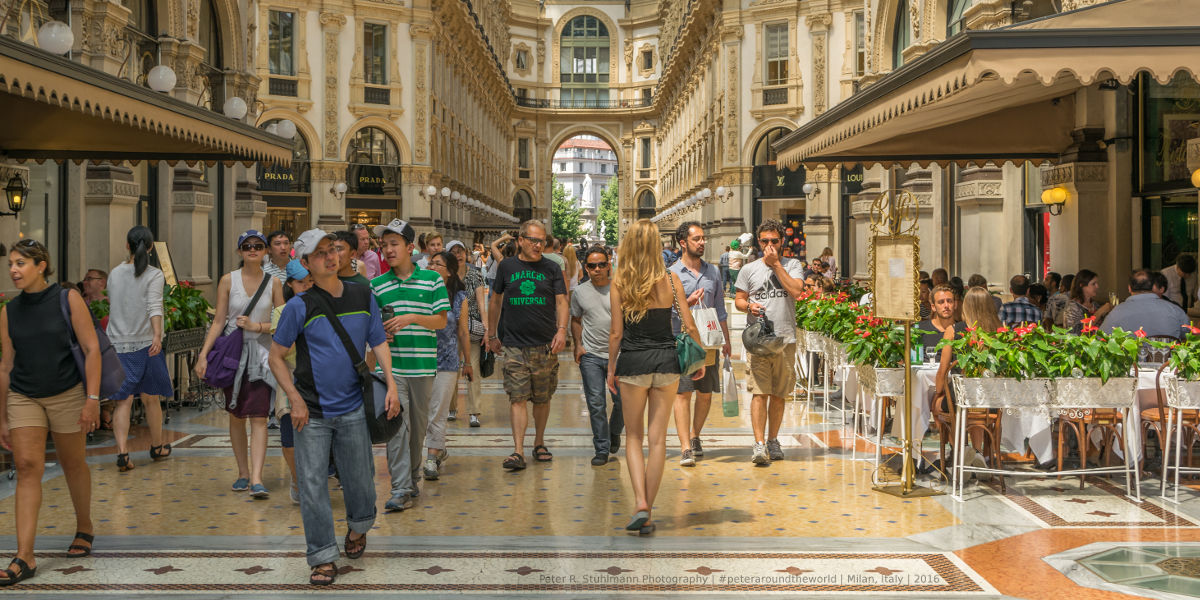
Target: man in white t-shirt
x=769, y=288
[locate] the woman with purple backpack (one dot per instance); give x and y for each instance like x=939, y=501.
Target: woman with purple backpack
x=42, y=390
x=245, y=298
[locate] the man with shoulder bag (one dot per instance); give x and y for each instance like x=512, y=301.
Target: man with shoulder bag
x=329, y=407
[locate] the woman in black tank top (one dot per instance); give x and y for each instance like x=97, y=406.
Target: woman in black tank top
x=41, y=390
x=642, y=355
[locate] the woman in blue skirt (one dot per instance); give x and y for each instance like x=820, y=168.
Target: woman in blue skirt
x=135, y=328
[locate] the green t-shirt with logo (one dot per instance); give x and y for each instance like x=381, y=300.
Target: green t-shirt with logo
x=414, y=348
x=528, y=311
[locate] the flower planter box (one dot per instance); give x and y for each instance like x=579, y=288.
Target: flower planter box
x=1073, y=393
x=184, y=340
x=1002, y=392
x=1181, y=393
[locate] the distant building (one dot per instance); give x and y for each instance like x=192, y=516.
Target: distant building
x=585, y=166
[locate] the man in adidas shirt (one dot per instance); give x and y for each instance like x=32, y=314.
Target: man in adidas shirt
x=769, y=288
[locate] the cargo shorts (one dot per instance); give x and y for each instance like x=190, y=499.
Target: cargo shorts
x=530, y=374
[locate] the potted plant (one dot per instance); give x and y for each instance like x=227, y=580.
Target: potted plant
x=1183, y=382
x=185, y=312
x=878, y=348
x=1003, y=368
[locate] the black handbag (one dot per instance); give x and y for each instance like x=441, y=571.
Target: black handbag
x=487, y=362
x=112, y=374
x=374, y=385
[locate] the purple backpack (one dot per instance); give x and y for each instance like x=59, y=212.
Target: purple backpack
x=112, y=374
x=226, y=351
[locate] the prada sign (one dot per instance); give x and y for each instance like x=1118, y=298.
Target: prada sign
x=276, y=178
x=373, y=180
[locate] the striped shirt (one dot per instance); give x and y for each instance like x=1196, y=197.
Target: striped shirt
x=414, y=348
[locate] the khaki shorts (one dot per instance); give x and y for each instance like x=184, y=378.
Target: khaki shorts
x=59, y=414
x=772, y=375
x=650, y=380
x=530, y=374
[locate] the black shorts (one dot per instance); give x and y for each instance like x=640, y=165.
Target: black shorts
x=710, y=383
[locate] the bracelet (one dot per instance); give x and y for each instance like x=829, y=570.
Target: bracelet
x=93, y=397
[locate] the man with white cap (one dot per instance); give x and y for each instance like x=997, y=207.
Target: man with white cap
x=417, y=302
x=327, y=401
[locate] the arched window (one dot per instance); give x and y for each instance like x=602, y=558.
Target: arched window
x=954, y=16
x=901, y=34
x=646, y=205
x=142, y=16
x=522, y=206
x=210, y=34
x=281, y=179
x=583, y=62
x=770, y=181
x=374, y=168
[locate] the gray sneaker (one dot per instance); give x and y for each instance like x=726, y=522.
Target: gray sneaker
x=759, y=457
x=399, y=502
x=431, y=468
x=686, y=460
x=774, y=450
x=442, y=455
x=697, y=449
x=294, y=493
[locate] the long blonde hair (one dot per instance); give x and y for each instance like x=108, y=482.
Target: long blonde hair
x=640, y=268
x=572, y=262
x=979, y=310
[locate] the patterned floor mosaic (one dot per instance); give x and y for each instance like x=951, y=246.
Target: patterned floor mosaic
x=1054, y=502
x=631, y=573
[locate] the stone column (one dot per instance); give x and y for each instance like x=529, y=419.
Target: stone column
x=185, y=58
x=979, y=195
x=191, y=203
x=328, y=209
x=111, y=198
x=98, y=27
x=1193, y=164
x=1079, y=234
x=249, y=208
x=860, y=229
x=920, y=183
x=818, y=26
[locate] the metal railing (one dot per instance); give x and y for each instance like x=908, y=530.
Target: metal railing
x=775, y=96
x=278, y=86
x=376, y=95
x=582, y=104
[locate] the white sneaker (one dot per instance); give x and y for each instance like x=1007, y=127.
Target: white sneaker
x=759, y=456
x=294, y=493
x=431, y=468
x=686, y=459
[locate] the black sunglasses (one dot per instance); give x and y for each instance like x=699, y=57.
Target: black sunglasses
x=357, y=227
x=769, y=241
x=253, y=247
x=599, y=265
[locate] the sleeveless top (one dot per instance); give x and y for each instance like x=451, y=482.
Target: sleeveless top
x=43, y=364
x=648, y=346
x=255, y=346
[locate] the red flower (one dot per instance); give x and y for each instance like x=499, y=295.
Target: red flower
x=970, y=328
x=1193, y=329
x=1002, y=329
x=1088, y=320
x=1140, y=333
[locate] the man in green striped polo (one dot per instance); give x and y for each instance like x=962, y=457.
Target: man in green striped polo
x=417, y=300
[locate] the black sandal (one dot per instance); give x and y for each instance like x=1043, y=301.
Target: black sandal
x=160, y=452
x=360, y=546
x=514, y=462
x=83, y=550
x=542, y=454
x=123, y=463
x=12, y=578
x=326, y=570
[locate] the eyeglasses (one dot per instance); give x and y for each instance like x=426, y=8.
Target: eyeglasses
x=599, y=265
x=357, y=227
x=253, y=247
x=93, y=279
x=437, y=264
x=769, y=240
x=535, y=241
x=319, y=254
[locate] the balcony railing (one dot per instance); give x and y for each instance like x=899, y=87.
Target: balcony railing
x=374, y=95
x=584, y=104
x=278, y=86
x=775, y=96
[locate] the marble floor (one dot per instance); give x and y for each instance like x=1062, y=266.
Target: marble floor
x=810, y=525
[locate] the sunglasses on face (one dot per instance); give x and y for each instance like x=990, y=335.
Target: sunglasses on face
x=357, y=227
x=599, y=265
x=253, y=247
x=769, y=240
x=534, y=241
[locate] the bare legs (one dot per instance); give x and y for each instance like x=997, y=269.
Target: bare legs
x=252, y=469
x=29, y=456
x=766, y=417
x=520, y=422
x=689, y=424
x=646, y=475
x=154, y=418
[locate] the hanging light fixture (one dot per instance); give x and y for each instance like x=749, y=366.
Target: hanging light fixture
x=17, y=194
x=161, y=78
x=55, y=37
x=235, y=108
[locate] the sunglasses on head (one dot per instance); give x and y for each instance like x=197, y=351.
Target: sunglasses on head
x=253, y=247
x=599, y=265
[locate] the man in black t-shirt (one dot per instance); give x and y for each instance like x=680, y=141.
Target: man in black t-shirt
x=942, y=318
x=528, y=314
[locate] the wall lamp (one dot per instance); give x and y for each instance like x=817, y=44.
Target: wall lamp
x=17, y=193
x=338, y=190
x=1196, y=178
x=1054, y=198
x=724, y=193
x=811, y=191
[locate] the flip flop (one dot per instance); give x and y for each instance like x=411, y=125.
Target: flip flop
x=639, y=519
x=542, y=454
x=647, y=529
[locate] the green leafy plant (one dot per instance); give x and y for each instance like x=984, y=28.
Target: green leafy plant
x=1031, y=351
x=100, y=308
x=879, y=342
x=1185, y=355
x=834, y=316
x=184, y=307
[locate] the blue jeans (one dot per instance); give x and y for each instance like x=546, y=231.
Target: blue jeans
x=350, y=441
x=604, y=431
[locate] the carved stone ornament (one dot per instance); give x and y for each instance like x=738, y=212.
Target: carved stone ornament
x=1074, y=173
x=332, y=20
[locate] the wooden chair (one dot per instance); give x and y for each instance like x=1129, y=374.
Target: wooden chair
x=986, y=421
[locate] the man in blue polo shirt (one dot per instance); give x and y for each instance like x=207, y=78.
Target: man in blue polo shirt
x=327, y=401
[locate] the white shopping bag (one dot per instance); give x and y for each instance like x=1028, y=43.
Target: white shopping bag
x=711, y=335
x=729, y=390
